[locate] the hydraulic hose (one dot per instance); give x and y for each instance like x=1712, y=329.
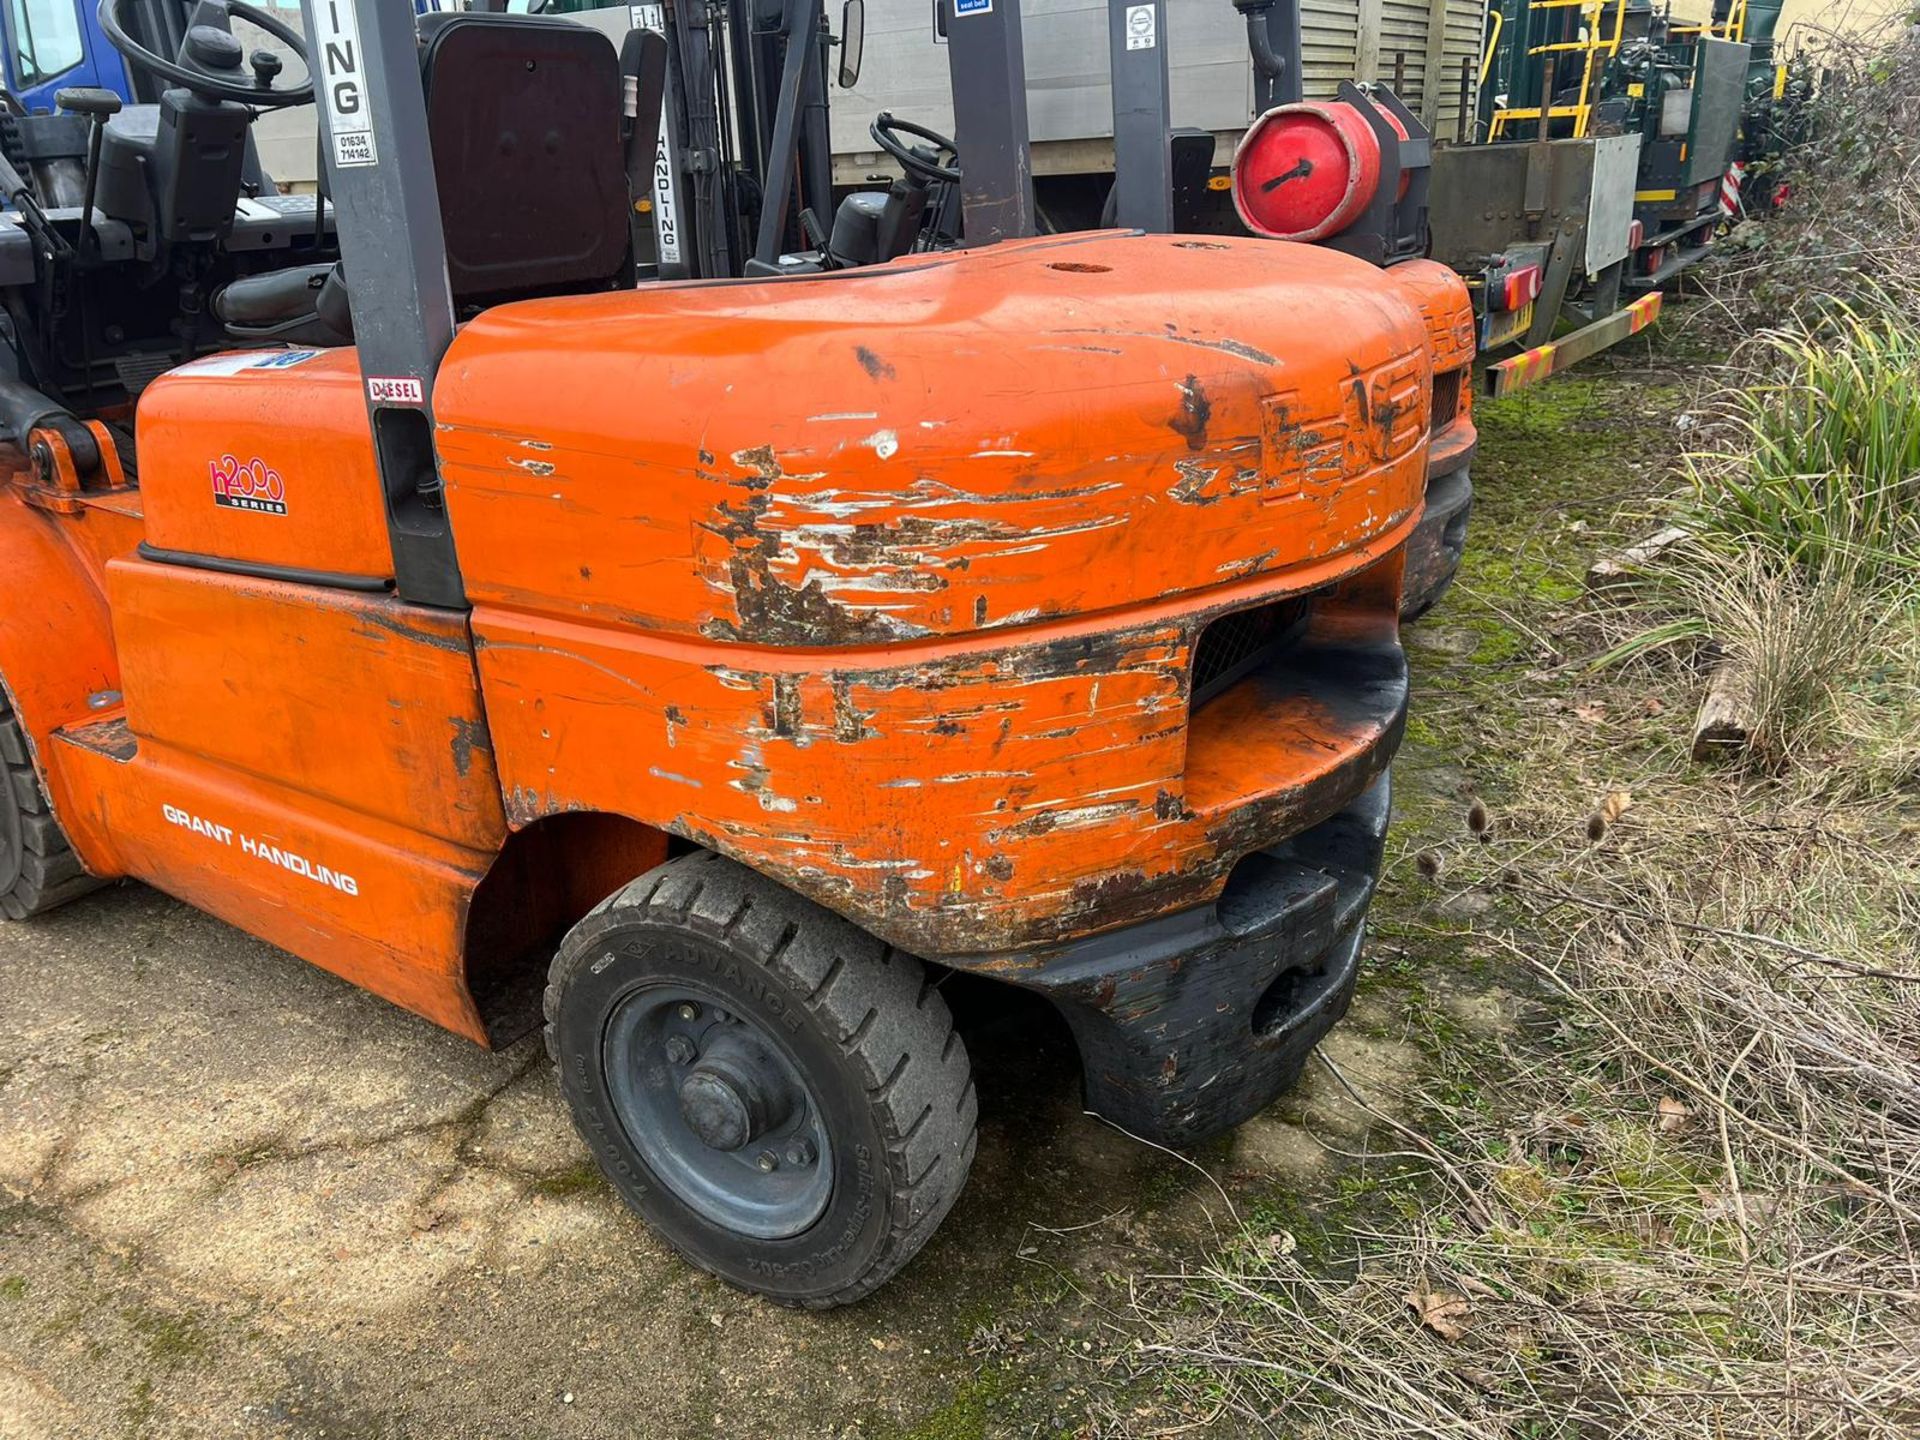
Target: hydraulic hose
x=24, y=409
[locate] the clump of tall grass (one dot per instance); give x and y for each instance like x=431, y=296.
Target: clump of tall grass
x=1823, y=461
x=1800, y=584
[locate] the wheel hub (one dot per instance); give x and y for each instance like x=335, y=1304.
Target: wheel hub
x=720, y=1109
x=735, y=1094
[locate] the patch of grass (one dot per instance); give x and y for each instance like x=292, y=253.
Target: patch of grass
x=1823, y=462
x=68, y=1321
x=1801, y=582
x=579, y=1179
x=968, y=1414
x=13, y=1287
x=170, y=1339
x=140, y=1407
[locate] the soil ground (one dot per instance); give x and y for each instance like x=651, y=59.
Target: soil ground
x=239, y=1197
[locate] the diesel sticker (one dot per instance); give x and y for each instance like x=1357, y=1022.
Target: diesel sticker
x=396, y=390
x=254, y=485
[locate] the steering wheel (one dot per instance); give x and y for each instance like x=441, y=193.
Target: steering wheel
x=916, y=159
x=216, y=56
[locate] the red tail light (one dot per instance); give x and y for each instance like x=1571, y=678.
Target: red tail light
x=1520, y=289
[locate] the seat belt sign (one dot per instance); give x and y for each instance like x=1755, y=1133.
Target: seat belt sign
x=343, y=81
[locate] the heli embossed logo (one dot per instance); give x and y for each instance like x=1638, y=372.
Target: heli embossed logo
x=254, y=485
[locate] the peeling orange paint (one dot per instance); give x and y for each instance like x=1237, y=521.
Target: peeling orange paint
x=930, y=661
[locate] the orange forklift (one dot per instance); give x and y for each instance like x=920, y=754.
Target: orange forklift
x=745, y=655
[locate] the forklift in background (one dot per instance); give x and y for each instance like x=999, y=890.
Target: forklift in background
x=1358, y=174
x=724, y=661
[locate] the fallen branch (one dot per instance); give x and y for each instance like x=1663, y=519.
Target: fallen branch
x=1613, y=570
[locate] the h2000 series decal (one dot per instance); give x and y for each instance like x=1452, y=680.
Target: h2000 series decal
x=254, y=485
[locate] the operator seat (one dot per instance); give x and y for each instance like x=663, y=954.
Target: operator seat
x=523, y=120
x=523, y=115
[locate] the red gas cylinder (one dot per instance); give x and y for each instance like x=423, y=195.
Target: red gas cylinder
x=1308, y=170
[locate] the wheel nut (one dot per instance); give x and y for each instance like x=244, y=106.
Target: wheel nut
x=680, y=1050
x=769, y=1162
x=689, y=1012
x=800, y=1152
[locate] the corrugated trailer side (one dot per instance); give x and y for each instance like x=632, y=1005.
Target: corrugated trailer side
x=1210, y=76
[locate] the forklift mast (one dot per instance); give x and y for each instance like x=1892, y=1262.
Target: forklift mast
x=744, y=149
x=379, y=173
x=986, y=56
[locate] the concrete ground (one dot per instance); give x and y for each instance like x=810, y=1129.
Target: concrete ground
x=239, y=1197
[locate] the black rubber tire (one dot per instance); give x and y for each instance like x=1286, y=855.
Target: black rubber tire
x=873, y=1038
x=38, y=869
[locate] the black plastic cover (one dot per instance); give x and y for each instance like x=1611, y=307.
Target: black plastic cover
x=524, y=119
x=199, y=157
x=1193, y=1022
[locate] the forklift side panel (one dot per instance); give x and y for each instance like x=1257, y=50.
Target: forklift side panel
x=273, y=679
x=56, y=636
x=1434, y=553
x=376, y=903
x=955, y=798
x=1447, y=308
x=264, y=457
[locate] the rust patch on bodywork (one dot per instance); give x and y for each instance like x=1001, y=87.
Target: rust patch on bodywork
x=1195, y=411
x=771, y=610
x=469, y=735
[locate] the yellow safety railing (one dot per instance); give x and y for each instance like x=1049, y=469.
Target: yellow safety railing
x=1594, y=45
x=1734, y=27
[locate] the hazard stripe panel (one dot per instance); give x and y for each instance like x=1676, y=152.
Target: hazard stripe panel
x=1530, y=367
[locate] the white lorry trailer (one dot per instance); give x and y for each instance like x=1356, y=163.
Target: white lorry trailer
x=1421, y=47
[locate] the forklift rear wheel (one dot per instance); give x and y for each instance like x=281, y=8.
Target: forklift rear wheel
x=781, y=1095
x=37, y=868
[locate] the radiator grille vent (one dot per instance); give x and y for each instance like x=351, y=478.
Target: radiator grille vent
x=1239, y=643
x=1446, y=399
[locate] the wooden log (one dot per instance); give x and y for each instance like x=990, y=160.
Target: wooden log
x=1613, y=569
x=1726, y=720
